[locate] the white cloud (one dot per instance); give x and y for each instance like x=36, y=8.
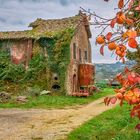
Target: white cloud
x=17, y=14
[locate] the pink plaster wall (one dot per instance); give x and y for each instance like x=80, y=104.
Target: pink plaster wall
x=21, y=51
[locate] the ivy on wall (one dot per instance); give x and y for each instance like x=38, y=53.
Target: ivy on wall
x=58, y=49
x=50, y=55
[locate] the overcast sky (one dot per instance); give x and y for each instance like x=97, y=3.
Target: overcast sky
x=17, y=14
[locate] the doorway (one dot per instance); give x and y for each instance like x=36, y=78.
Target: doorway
x=74, y=83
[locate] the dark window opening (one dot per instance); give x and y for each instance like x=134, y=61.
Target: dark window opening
x=74, y=83
x=80, y=57
x=86, y=57
x=55, y=78
x=74, y=51
x=55, y=87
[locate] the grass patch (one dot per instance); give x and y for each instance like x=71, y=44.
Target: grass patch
x=57, y=101
x=114, y=124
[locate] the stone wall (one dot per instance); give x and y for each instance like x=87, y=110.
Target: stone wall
x=81, y=41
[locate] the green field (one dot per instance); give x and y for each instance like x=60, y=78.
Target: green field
x=114, y=124
x=55, y=101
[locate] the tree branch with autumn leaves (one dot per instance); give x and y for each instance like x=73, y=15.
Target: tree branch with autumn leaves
x=125, y=30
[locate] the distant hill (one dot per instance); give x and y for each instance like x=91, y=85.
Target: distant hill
x=108, y=71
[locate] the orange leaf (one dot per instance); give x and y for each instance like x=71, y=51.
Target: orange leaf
x=121, y=4
x=108, y=36
x=132, y=43
x=131, y=34
x=120, y=19
x=113, y=22
x=124, y=36
x=102, y=50
x=112, y=46
x=100, y=39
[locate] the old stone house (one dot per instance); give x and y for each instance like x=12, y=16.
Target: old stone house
x=79, y=70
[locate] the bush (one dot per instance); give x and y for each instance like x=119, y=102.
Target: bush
x=16, y=73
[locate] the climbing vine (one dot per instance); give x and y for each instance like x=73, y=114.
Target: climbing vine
x=58, y=50
x=50, y=55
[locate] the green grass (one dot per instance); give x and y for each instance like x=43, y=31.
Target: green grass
x=114, y=124
x=57, y=101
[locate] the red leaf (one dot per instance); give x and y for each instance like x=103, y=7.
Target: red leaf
x=121, y=4
x=113, y=100
x=108, y=36
x=126, y=70
x=137, y=127
x=131, y=79
x=102, y=50
x=132, y=43
x=113, y=22
x=137, y=107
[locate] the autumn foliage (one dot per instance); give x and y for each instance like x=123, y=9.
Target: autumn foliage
x=125, y=27
x=130, y=81
x=124, y=35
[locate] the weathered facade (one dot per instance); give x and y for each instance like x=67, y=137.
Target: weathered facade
x=80, y=70
x=80, y=55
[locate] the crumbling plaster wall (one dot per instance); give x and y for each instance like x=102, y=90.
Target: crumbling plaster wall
x=81, y=41
x=20, y=50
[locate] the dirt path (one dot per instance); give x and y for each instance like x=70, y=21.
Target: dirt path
x=39, y=124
